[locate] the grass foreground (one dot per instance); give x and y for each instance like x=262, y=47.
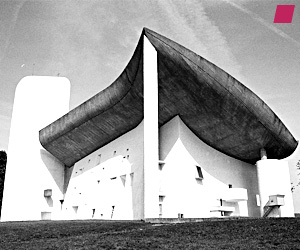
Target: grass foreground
x=273, y=233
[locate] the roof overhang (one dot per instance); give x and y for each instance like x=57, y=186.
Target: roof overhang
x=220, y=110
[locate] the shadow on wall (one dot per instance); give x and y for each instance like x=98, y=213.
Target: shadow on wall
x=49, y=201
x=55, y=168
x=67, y=177
x=222, y=167
x=168, y=137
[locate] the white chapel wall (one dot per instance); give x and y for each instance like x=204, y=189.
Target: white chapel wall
x=224, y=168
x=108, y=183
x=183, y=194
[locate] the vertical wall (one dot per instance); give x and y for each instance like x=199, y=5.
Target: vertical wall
x=180, y=192
x=274, y=178
x=39, y=100
x=108, y=183
x=151, y=143
x=224, y=168
x=181, y=189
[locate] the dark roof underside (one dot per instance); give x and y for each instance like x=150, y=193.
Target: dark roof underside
x=217, y=108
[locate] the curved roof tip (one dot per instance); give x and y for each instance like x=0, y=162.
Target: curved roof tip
x=217, y=108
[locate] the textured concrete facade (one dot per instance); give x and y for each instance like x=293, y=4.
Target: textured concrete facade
x=173, y=136
x=219, y=110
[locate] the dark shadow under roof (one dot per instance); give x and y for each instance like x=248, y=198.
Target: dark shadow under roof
x=221, y=111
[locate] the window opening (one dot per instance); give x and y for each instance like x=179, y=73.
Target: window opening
x=112, y=211
x=131, y=178
x=61, y=204
x=160, y=210
x=199, y=174
x=161, y=198
x=161, y=165
x=258, y=200
x=75, y=208
x=98, y=159
x=47, y=192
x=123, y=179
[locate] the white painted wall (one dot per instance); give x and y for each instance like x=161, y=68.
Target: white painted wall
x=274, y=178
x=91, y=185
x=294, y=177
x=92, y=192
x=123, y=179
x=39, y=100
x=182, y=151
x=151, y=142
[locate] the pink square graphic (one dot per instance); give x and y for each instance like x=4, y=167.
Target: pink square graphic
x=284, y=13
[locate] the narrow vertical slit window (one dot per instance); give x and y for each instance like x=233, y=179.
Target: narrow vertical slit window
x=131, y=178
x=199, y=174
x=98, y=159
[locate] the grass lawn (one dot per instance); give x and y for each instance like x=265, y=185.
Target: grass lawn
x=279, y=233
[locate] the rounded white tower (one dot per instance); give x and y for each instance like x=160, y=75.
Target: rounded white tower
x=274, y=180
x=31, y=171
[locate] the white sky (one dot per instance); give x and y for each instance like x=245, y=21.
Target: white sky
x=91, y=41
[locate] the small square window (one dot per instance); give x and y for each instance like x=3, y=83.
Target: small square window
x=47, y=192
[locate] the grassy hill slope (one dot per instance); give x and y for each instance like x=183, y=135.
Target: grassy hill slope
x=280, y=233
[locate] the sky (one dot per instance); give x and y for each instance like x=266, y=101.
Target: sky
x=91, y=41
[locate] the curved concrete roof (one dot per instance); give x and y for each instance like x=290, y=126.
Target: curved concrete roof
x=221, y=111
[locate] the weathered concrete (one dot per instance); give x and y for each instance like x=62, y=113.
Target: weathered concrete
x=216, y=107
